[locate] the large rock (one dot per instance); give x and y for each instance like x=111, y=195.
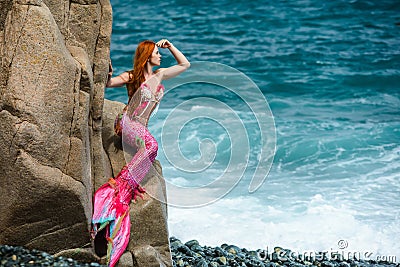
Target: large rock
x=42, y=201
x=54, y=145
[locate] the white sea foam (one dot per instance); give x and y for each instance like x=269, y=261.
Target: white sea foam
x=247, y=222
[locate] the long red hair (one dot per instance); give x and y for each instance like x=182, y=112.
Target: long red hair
x=136, y=76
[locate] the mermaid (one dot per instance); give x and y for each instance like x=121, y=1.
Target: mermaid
x=111, y=220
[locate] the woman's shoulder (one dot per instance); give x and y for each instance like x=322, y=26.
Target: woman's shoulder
x=159, y=73
x=159, y=70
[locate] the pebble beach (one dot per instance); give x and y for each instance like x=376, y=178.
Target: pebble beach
x=192, y=253
x=13, y=256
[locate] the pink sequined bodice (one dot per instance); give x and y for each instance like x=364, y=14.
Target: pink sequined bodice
x=144, y=102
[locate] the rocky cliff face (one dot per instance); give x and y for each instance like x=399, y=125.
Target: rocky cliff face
x=54, y=62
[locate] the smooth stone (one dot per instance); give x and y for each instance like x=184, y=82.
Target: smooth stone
x=232, y=249
x=222, y=260
x=192, y=243
x=240, y=255
x=219, y=252
x=344, y=264
x=195, y=247
x=197, y=255
x=176, y=244
x=201, y=263
x=186, y=250
x=173, y=238
x=254, y=263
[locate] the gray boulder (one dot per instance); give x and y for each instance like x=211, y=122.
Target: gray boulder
x=55, y=131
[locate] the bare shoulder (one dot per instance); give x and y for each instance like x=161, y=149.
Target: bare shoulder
x=160, y=72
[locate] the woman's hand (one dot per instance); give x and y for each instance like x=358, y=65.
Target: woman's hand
x=110, y=71
x=164, y=43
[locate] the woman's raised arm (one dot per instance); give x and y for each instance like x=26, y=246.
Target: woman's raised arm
x=183, y=62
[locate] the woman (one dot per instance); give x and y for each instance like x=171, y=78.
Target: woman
x=111, y=220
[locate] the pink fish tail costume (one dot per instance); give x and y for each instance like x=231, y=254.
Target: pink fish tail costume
x=111, y=200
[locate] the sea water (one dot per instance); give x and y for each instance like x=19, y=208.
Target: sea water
x=330, y=74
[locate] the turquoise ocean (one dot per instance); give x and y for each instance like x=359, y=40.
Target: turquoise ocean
x=330, y=72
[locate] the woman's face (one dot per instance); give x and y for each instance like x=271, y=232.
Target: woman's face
x=155, y=58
